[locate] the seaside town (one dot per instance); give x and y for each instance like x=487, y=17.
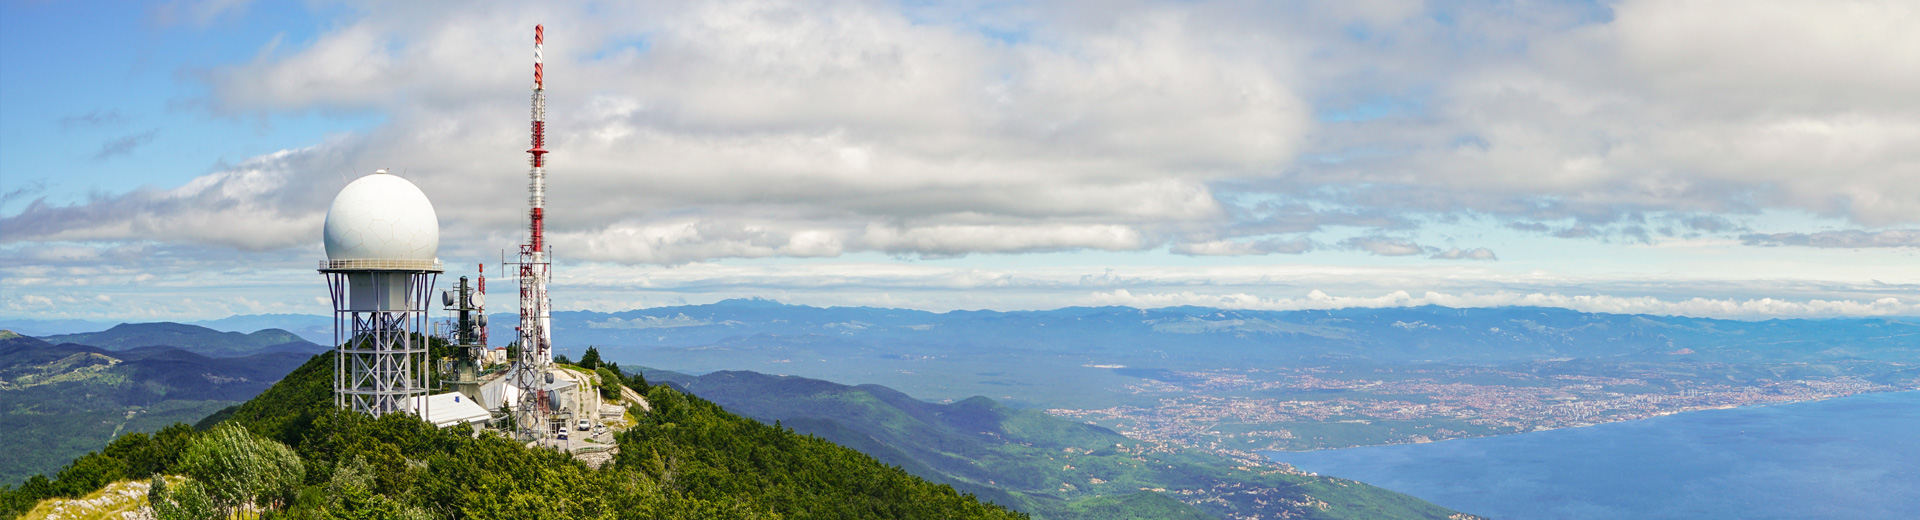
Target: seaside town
x=1238, y=413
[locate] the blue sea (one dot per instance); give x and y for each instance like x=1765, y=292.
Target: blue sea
x=1855, y=458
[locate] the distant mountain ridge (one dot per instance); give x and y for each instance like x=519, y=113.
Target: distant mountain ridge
x=27, y=362
x=314, y=328
x=1086, y=357
x=1060, y=352
x=1427, y=333
x=1053, y=468
x=1397, y=334
x=60, y=401
x=37, y=328
x=191, y=338
x=311, y=327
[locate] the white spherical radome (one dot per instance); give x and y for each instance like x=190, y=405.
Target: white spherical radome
x=382, y=217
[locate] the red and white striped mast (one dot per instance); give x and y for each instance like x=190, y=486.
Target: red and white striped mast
x=536, y=336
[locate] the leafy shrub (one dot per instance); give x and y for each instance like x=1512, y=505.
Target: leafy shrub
x=189, y=501
x=609, y=383
x=238, y=468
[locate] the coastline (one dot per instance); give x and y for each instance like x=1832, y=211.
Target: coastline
x=1846, y=457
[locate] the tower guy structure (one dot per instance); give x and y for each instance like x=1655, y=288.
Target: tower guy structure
x=536, y=339
x=382, y=240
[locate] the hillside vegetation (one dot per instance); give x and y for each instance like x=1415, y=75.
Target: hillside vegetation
x=688, y=459
x=58, y=402
x=1050, y=467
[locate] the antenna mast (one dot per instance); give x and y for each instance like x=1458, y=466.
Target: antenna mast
x=536, y=339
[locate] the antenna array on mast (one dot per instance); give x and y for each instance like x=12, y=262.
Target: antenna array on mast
x=533, y=411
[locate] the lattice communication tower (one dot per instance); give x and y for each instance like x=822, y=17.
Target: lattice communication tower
x=533, y=410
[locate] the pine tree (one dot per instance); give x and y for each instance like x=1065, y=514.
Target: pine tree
x=590, y=360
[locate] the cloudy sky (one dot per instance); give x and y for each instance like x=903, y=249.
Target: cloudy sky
x=1744, y=158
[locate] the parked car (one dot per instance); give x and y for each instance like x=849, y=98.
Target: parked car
x=585, y=426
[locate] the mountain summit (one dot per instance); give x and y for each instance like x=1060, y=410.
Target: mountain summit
x=191, y=338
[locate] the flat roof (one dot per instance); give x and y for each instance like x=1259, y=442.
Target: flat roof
x=452, y=408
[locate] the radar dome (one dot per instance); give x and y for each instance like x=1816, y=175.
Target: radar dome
x=382, y=217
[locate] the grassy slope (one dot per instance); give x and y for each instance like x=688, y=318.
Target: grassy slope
x=1046, y=464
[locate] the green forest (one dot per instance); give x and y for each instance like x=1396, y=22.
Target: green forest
x=289, y=454
x=58, y=402
x=1049, y=467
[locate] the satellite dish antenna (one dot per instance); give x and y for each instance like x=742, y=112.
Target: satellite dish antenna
x=549, y=377
x=476, y=299
x=483, y=320
x=446, y=298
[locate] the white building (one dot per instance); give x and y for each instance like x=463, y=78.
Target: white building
x=451, y=408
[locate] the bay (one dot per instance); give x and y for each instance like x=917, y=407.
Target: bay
x=1855, y=457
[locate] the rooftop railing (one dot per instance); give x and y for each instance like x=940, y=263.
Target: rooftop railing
x=383, y=264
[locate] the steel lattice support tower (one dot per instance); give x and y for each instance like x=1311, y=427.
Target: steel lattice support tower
x=536, y=338
x=380, y=325
x=382, y=240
